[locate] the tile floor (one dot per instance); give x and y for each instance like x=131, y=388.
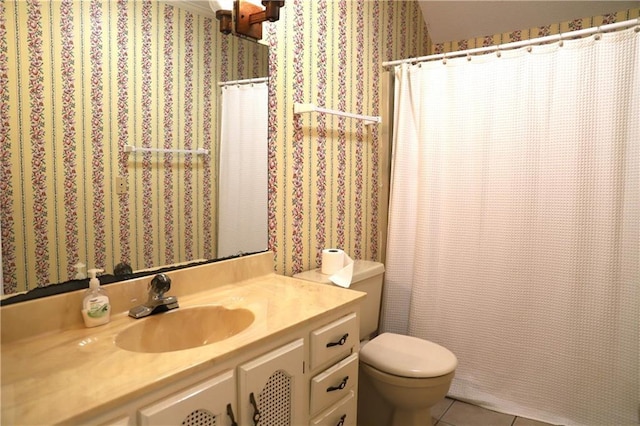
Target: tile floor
x=450, y=412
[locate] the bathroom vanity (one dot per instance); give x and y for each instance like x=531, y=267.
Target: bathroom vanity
x=295, y=363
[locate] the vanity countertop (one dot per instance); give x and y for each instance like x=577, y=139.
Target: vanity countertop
x=52, y=378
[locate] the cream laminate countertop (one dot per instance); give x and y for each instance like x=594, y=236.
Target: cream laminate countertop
x=63, y=376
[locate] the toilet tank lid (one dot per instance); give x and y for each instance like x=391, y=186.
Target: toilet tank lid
x=408, y=356
x=362, y=269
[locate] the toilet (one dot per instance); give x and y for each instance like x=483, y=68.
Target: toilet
x=406, y=374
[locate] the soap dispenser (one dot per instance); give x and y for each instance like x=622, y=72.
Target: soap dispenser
x=80, y=274
x=96, y=309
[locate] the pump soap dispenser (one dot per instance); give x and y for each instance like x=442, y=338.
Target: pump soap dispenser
x=96, y=309
x=80, y=274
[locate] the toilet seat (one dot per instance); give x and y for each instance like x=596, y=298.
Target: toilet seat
x=408, y=356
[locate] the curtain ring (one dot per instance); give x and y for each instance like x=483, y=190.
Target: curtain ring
x=598, y=35
x=498, y=52
x=529, y=49
x=469, y=57
x=560, y=41
x=444, y=59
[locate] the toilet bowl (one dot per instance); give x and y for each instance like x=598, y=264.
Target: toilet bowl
x=405, y=374
x=409, y=373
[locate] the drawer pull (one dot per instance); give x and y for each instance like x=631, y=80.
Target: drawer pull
x=256, y=412
x=341, y=422
x=340, y=342
x=341, y=386
x=231, y=416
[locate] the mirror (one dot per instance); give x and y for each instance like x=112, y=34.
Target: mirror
x=84, y=81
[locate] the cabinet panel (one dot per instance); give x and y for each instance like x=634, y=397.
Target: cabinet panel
x=268, y=388
x=204, y=404
x=342, y=413
x=334, y=383
x=334, y=341
x=121, y=421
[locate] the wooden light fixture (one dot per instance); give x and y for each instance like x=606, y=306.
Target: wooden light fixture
x=224, y=16
x=249, y=16
x=222, y=9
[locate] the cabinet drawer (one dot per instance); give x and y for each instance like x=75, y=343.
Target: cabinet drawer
x=334, y=340
x=334, y=383
x=342, y=413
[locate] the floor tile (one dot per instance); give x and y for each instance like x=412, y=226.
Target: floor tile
x=463, y=414
x=440, y=408
x=521, y=421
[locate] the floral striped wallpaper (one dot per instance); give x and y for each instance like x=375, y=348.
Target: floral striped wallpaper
x=325, y=170
x=529, y=33
x=79, y=80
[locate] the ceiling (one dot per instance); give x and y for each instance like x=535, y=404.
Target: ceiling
x=453, y=20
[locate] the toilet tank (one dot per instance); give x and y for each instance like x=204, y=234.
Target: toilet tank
x=368, y=277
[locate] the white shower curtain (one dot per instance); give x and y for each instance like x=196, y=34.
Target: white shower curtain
x=514, y=225
x=242, y=200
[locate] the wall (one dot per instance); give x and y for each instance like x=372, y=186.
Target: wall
x=78, y=81
x=529, y=33
x=325, y=171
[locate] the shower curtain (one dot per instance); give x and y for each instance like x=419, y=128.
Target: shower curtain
x=514, y=225
x=242, y=199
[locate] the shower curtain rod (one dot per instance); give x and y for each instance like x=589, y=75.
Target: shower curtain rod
x=516, y=44
x=246, y=81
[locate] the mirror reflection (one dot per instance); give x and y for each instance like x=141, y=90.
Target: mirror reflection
x=85, y=82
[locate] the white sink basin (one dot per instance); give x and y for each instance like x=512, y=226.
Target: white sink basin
x=184, y=329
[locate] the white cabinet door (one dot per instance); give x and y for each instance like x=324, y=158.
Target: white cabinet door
x=210, y=403
x=120, y=421
x=270, y=391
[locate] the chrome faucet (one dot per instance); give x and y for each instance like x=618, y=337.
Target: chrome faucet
x=157, y=301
